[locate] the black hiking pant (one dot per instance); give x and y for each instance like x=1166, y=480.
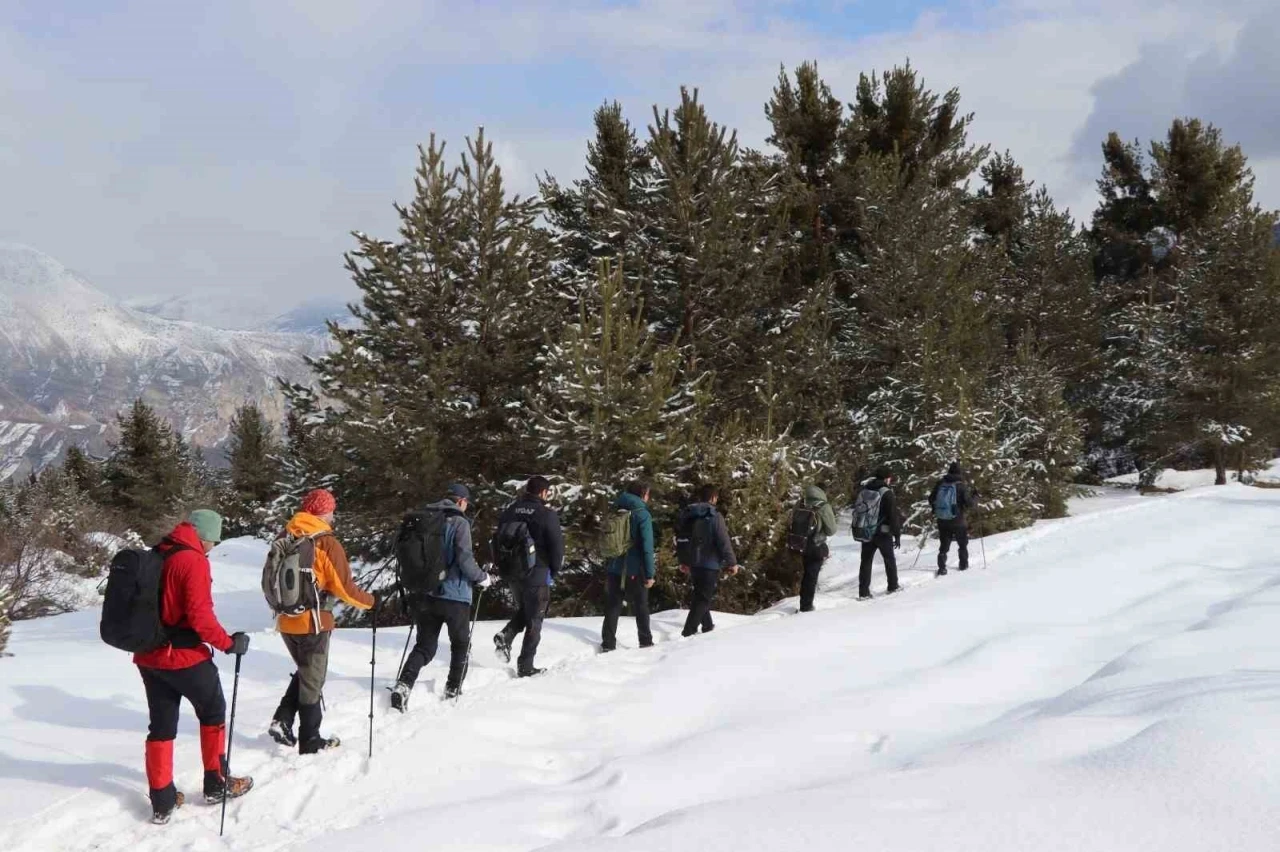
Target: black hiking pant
x=883, y=542
x=636, y=595
x=166, y=688
x=533, y=600
x=813, y=563
x=706, y=581
x=949, y=531
x=438, y=613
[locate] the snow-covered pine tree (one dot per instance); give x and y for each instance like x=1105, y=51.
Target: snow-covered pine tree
x=718, y=266
x=604, y=215
x=614, y=405
x=253, y=455
x=433, y=382
x=145, y=474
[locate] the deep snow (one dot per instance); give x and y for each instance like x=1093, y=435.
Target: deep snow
x=1110, y=682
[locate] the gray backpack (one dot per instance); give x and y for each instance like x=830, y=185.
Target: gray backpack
x=288, y=577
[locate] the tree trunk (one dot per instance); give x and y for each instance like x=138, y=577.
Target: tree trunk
x=1220, y=464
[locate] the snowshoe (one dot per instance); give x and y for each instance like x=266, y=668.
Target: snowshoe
x=234, y=789
x=400, y=697
x=502, y=647
x=452, y=692
x=163, y=817
x=282, y=733
x=530, y=672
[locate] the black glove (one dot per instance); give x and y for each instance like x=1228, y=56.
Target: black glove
x=897, y=542
x=239, y=644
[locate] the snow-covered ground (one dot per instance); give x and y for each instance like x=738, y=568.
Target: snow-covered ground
x=1110, y=682
x=1181, y=480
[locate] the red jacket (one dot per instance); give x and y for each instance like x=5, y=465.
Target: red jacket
x=186, y=601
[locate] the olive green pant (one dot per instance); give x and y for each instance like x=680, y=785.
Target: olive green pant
x=310, y=652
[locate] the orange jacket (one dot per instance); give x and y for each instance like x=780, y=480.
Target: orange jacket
x=333, y=575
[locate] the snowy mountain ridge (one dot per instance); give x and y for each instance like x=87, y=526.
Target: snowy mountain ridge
x=71, y=357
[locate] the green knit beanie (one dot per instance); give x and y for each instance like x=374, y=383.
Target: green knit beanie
x=208, y=524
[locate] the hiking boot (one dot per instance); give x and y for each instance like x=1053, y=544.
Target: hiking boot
x=318, y=745
x=282, y=733
x=502, y=647
x=162, y=817
x=964, y=567
x=605, y=649
x=646, y=644
x=868, y=596
x=235, y=788
x=400, y=697
x=451, y=692
x=531, y=672
x=894, y=590
x=942, y=572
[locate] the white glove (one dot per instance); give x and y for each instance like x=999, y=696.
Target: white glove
x=486, y=582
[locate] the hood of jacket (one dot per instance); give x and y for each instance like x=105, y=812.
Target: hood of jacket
x=630, y=502
x=306, y=524
x=445, y=505
x=183, y=535
x=875, y=484
x=952, y=478
x=699, y=510
x=814, y=496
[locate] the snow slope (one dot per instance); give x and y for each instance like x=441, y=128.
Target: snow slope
x=1181, y=480
x=1110, y=682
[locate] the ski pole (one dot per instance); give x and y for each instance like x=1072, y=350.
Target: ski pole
x=226, y=758
x=373, y=672
x=466, y=665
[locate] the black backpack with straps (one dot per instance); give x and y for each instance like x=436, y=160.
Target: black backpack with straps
x=132, y=617
x=420, y=558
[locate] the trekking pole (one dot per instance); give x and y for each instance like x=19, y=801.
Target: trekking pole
x=919, y=550
x=466, y=665
x=226, y=758
x=982, y=542
x=373, y=672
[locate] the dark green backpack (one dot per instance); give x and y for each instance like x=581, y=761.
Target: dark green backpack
x=615, y=538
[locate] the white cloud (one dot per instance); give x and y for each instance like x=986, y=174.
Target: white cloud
x=236, y=145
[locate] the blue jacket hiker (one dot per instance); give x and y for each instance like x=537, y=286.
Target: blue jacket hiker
x=449, y=604
x=631, y=575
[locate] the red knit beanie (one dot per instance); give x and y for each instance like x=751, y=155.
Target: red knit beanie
x=319, y=502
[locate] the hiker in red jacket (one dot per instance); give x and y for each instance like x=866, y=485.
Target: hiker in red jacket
x=184, y=668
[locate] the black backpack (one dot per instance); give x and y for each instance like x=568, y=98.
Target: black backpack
x=695, y=537
x=420, y=558
x=803, y=528
x=514, y=551
x=131, y=617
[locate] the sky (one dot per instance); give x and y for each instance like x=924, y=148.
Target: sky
x=230, y=148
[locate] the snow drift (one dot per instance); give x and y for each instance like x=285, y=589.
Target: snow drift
x=1110, y=682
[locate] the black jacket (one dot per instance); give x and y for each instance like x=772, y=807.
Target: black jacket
x=964, y=498
x=723, y=556
x=544, y=528
x=888, y=507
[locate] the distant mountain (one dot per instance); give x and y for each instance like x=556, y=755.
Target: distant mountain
x=311, y=317
x=71, y=357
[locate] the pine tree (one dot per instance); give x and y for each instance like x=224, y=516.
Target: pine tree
x=146, y=473
x=86, y=472
x=433, y=383
x=253, y=455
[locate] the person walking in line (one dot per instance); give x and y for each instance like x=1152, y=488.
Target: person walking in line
x=631, y=575
x=183, y=668
x=704, y=549
x=449, y=604
x=306, y=636
x=530, y=519
x=951, y=500
x=878, y=527
x=815, y=551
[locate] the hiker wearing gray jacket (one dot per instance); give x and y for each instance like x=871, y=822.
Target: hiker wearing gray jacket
x=816, y=555
x=449, y=605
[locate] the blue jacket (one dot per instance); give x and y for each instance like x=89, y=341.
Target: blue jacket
x=463, y=570
x=640, y=558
